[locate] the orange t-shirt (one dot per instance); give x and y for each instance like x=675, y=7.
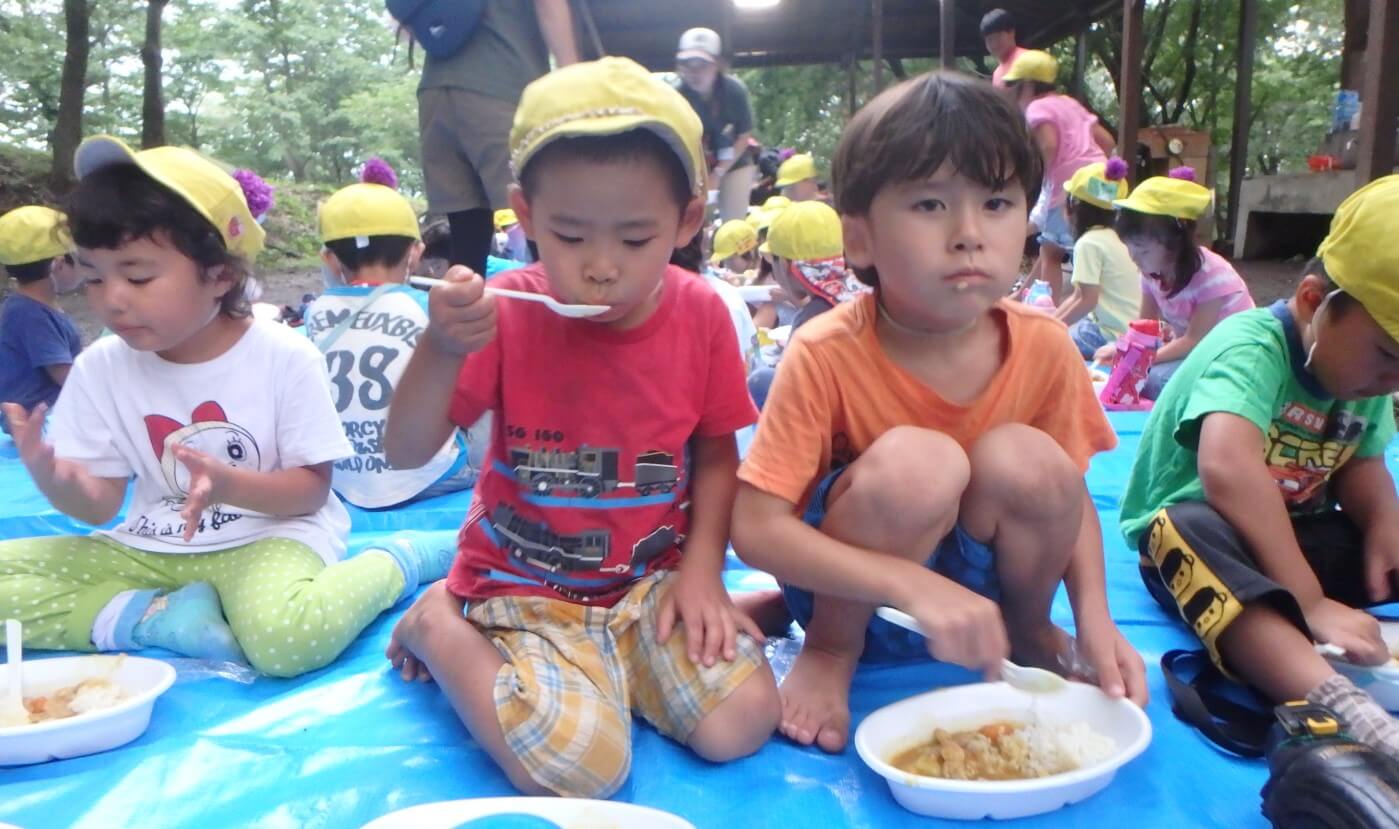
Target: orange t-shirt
x=836, y=392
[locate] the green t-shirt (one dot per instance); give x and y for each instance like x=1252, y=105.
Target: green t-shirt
x=503, y=55
x=1101, y=259
x=1251, y=365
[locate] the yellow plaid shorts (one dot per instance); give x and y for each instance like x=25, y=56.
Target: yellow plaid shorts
x=573, y=675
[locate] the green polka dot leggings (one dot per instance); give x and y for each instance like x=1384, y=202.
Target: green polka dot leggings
x=290, y=611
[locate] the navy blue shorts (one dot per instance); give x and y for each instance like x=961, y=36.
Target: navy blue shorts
x=958, y=557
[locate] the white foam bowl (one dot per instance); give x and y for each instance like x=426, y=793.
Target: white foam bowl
x=898, y=727
x=569, y=814
x=142, y=680
x=1380, y=682
x=756, y=294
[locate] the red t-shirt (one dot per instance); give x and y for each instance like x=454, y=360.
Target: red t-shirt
x=586, y=487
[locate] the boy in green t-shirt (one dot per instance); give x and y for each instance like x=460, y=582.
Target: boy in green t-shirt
x=1260, y=501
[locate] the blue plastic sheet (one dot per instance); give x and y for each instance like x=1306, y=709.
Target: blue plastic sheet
x=352, y=742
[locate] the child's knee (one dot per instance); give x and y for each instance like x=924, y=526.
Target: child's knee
x=591, y=765
x=742, y=723
x=1024, y=467
x=909, y=474
x=285, y=648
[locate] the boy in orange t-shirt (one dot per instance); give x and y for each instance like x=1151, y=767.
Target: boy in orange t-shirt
x=932, y=416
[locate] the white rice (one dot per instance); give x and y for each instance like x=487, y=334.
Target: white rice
x=1057, y=748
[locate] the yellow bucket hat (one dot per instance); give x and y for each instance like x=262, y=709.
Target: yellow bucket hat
x=805, y=232
x=1167, y=196
x=32, y=234
x=733, y=238
x=1090, y=184
x=605, y=97
x=799, y=167
x=366, y=210
x=1033, y=65
x=504, y=218
x=760, y=218
x=1360, y=254
x=203, y=184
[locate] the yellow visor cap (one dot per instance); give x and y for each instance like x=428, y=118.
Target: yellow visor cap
x=1165, y=196
x=805, y=232
x=799, y=167
x=32, y=234
x=1360, y=252
x=1033, y=65
x=367, y=210
x=1090, y=184
x=733, y=238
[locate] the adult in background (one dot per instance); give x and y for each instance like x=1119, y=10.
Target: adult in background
x=721, y=101
x=466, y=104
x=998, y=31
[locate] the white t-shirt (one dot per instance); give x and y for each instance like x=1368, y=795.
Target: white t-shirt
x=263, y=404
x=744, y=328
x=365, y=364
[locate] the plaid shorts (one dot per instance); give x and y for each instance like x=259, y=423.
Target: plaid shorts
x=574, y=674
x=958, y=557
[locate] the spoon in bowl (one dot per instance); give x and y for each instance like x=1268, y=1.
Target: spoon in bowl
x=1030, y=680
x=12, y=710
x=563, y=309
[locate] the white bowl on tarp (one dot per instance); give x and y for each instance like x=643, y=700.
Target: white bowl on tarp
x=568, y=813
x=905, y=724
x=1381, y=682
x=141, y=680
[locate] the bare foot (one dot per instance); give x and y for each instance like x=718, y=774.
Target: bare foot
x=767, y=608
x=816, y=698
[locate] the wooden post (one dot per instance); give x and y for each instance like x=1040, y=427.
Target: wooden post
x=947, y=33
x=1243, y=95
x=1080, y=90
x=1131, y=100
x=878, y=52
x=853, y=102
x=1379, y=98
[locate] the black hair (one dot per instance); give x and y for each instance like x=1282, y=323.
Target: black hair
x=120, y=204
x=997, y=20
x=1037, y=88
x=631, y=145
x=690, y=257
x=383, y=251
x=1177, y=235
x=30, y=272
x=910, y=130
x=1086, y=216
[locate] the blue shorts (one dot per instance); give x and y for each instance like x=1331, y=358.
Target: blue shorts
x=958, y=557
x=1056, y=230
x=1088, y=337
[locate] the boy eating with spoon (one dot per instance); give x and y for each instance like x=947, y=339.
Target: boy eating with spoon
x=591, y=555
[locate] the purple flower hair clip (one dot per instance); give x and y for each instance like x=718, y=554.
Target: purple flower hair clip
x=1182, y=173
x=377, y=171
x=1116, y=169
x=258, y=193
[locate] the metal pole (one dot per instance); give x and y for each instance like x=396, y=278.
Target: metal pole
x=947, y=33
x=878, y=12
x=1131, y=100
x=1379, y=98
x=1243, y=94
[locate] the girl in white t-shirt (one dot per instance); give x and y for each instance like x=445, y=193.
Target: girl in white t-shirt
x=231, y=545
x=1184, y=284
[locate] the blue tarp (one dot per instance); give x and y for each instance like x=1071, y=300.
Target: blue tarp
x=349, y=743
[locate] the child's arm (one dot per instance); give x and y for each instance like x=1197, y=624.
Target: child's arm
x=1205, y=318
x=1238, y=485
x=300, y=490
x=698, y=599
x=68, y=486
x=1365, y=491
x=963, y=627
x=556, y=25
x=461, y=320
x=1080, y=302
x=59, y=373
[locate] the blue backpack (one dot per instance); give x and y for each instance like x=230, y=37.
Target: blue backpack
x=441, y=27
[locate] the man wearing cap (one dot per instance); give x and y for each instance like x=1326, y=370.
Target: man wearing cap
x=38, y=342
x=998, y=31
x=1260, y=501
x=722, y=103
x=796, y=178
x=466, y=103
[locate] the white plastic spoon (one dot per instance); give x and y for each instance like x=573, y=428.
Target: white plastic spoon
x=1031, y=680
x=561, y=308
x=12, y=710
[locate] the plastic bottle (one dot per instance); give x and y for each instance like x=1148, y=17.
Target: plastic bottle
x=1136, y=351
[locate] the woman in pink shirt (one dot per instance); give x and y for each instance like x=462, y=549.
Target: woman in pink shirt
x=1068, y=137
x=1185, y=285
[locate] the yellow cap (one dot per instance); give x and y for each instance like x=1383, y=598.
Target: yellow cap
x=367, y=210
x=733, y=238
x=1166, y=196
x=804, y=232
x=203, y=184
x=606, y=97
x=1090, y=184
x=799, y=167
x=32, y=234
x=1360, y=253
x=504, y=218
x=1033, y=65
